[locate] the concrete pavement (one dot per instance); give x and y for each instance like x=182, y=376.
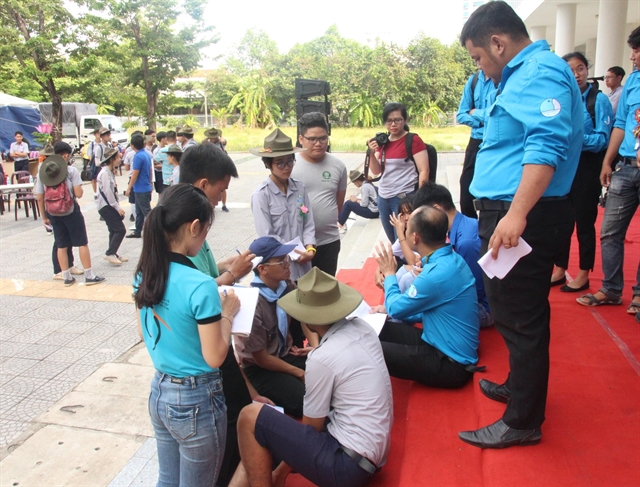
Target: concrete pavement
x=75, y=377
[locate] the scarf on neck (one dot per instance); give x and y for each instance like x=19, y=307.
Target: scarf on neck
x=272, y=296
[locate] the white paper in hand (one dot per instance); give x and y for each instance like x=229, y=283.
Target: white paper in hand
x=507, y=258
x=293, y=255
x=243, y=320
x=375, y=320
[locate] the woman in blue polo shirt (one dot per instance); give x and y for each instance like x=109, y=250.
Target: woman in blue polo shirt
x=186, y=327
x=586, y=187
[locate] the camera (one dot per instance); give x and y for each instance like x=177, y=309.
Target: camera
x=381, y=138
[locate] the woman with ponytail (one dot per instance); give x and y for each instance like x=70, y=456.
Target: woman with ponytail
x=186, y=326
x=400, y=177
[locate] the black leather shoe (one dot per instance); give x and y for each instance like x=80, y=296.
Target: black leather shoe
x=495, y=391
x=568, y=289
x=559, y=282
x=499, y=435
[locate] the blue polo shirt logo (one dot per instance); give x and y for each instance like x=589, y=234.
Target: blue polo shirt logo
x=412, y=292
x=550, y=107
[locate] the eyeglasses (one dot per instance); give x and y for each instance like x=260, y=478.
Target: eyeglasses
x=397, y=121
x=610, y=77
x=283, y=164
x=579, y=70
x=315, y=140
x=284, y=262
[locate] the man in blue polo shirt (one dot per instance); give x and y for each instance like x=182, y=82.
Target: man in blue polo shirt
x=463, y=236
x=524, y=170
x=471, y=112
x=442, y=297
x=624, y=190
x=140, y=182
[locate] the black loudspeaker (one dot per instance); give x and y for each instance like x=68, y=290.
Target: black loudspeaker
x=306, y=88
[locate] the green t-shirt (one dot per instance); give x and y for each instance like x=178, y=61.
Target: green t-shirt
x=204, y=261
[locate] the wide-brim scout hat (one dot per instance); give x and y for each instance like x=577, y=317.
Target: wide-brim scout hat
x=104, y=131
x=355, y=175
x=174, y=149
x=53, y=170
x=211, y=133
x=95, y=131
x=108, y=154
x=320, y=299
x=47, y=150
x=187, y=129
x=276, y=144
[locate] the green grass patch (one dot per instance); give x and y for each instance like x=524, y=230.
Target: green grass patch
x=343, y=139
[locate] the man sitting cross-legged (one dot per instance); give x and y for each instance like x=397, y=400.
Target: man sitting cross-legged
x=347, y=384
x=442, y=297
x=274, y=367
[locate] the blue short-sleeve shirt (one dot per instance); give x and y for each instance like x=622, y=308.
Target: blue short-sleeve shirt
x=535, y=117
x=170, y=329
x=142, y=163
x=626, y=115
x=478, y=101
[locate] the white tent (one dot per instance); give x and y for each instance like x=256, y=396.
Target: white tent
x=14, y=101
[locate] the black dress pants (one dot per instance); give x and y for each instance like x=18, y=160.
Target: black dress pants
x=54, y=258
x=116, y=227
x=584, y=197
x=409, y=357
x=520, y=307
x=326, y=258
x=468, y=168
x=236, y=396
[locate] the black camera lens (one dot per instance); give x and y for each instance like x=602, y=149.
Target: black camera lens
x=381, y=138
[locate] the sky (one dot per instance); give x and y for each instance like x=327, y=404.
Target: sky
x=289, y=22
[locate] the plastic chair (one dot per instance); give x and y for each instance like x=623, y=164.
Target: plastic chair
x=27, y=196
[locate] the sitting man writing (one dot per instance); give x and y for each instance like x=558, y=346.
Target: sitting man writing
x=274, y=367
x=442, y=297
x=463, y=236
x=348, y=386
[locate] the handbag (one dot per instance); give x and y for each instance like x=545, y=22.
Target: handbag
x=85, y=175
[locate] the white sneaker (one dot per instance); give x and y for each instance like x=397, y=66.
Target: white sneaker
x=112, y=259
x=121, y=258
x=132, y=227
x=343, y=230
x=76, y=272
x=58, y=277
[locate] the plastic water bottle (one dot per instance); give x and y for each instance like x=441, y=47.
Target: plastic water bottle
x=30, y=179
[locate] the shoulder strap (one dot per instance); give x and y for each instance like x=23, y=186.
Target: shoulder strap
x=474, y=82
x=408, y=145
x=591, y=101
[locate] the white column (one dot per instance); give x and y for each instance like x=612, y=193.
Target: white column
x=538, y=33
x=590, y=53
x=625, y=63
x=611, y=34
x=566, y=28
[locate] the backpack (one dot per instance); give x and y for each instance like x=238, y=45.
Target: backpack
x=431, y=152
x=591, y=100
x=474, y=82
x=58, y=200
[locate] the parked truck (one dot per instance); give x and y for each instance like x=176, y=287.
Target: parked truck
x=80, y=119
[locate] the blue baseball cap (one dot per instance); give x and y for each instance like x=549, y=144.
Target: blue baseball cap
x=268, y=247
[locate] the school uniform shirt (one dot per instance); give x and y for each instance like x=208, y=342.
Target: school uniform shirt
x=73, y=179
x=170, y=328
x=614, y=98
x=106, y=181
x=369, y=197
x=161, y=157
x=281, y=216
x=347, y=381
x=142, y=163
x=443, y=297
x=626, y=115
x=478, y=99
x=98, y=151
x=596, y=139
x=535, y=119
x=399, y=176
x=22, y=147
x=175, y=175
x=190, y=143
x=323, y=181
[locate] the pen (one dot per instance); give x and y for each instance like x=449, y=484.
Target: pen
x=239, y=253
x=224, y=292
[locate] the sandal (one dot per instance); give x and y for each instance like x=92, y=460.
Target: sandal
x=593, y=301
x=634, y=308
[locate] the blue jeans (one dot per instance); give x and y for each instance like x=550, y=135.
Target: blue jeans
x=622, y=202
x=190, y=424
x=387, y=207
x=351, y=206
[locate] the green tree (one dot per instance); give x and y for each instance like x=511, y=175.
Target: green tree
x=364, y=111
x=39, y=35
x=252, y=101
x=149, y=30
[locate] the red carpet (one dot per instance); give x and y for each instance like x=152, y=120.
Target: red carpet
x=592, y=433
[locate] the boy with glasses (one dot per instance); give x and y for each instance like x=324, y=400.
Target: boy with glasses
x=273, y=365
x=325, y=177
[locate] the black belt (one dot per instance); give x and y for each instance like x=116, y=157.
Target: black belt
x=363, y=462
x=501, y=205
x=631, y=161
